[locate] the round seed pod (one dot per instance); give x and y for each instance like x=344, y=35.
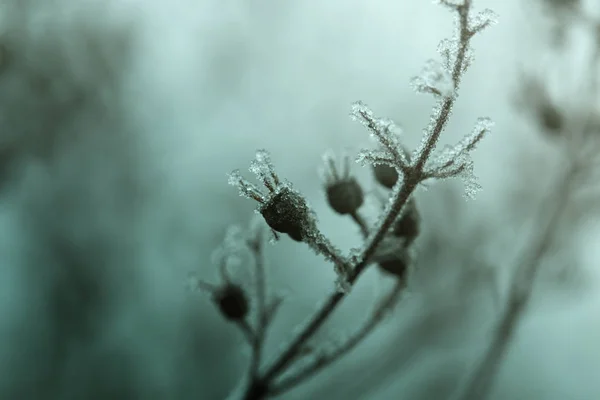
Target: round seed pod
x=287, y=212
x=232, y=302
x=395, y=266
x=407, y=226
x=550, y=118
x=345, y=196
x=385, y=175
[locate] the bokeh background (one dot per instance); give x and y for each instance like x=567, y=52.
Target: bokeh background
x=120, y=119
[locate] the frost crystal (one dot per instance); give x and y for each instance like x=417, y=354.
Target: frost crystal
x=455, y=161
x=374, y=157
x=434, y=78
x=246, y=188
x=482, y=20
x=386, y=132
x=263, y=168
x=447, y=49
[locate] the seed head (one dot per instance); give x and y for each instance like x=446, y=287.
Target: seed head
x=231, y=301
x=344, y=193
x=283, y=208
x=385, y=175
x=550, y=118
x=395, y=266
x=407, y=226
x=286, y=211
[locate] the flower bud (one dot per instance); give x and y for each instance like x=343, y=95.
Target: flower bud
x=287, y=212
x=385, y=175
x=345, y=196
x=232, y=302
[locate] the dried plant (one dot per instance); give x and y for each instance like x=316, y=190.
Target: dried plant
x=388, y=244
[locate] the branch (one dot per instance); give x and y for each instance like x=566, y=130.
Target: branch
x=399, y=199
x=326, y=359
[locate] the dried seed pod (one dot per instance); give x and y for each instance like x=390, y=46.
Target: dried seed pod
x=344, y=193
x=286, y=211
x=407, y=226
x=385, y=175
x=393, y=257
x=345, y=196
x=550, y=118
x=231, y=301
x=283, y=208
x=395, y=266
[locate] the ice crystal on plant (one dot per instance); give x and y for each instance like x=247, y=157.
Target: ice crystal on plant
x=374, y=157
x=455, y=161
x=434, y=78
x=386, y=132
x=482, y=20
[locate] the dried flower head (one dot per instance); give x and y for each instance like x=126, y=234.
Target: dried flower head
x=283, y=208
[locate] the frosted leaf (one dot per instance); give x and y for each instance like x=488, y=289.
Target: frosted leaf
x=482, y=20
x=435, y=79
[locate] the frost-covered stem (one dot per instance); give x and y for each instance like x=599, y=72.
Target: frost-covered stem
x=323, y=314
x=409, y=184
x=322, y=245
x=480, y=383
x=324, y=361
x=464, y=38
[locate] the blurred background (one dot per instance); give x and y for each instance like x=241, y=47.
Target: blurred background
x=120, y=120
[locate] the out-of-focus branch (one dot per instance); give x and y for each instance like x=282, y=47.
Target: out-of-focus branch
x=479, y=384
x=326, y=359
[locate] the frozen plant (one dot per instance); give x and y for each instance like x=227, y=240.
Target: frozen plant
x=388, y=244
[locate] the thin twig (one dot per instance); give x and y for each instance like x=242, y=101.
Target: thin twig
x=248, y=332
x=327, y=359
x=257, y=247
x=362, y=224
